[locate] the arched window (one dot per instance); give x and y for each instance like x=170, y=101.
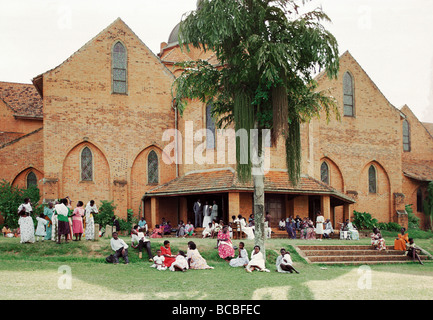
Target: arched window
x=86, y=165
x=348, y=101
x=324, y=172
x=419, y=201
x=119, y=70
x=152, y=168
x=210, y=126
x=32, y=180
x=372, y=180
x=406, y=136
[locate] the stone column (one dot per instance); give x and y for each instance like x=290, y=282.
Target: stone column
x=325, y=206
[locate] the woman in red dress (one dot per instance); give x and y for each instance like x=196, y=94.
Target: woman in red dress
x=225, y=246
x=166, y=252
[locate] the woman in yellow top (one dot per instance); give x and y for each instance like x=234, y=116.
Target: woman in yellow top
x=401, y=240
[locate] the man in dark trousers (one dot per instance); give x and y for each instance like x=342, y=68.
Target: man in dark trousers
x=198, y=211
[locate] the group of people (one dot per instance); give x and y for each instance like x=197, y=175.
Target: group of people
x=192, y=259
x=58, y=219
x=306, y=228
x=401, y=243
x=204, y=213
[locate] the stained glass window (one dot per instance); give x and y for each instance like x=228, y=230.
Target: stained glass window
x=419, y=201
x=372, y=179
x=324, y=173
x=406, y=136
x=348, y=95
x=152, y=168
x=31, y=179
x=86, y=165
x=210, y=125
x=119, y=68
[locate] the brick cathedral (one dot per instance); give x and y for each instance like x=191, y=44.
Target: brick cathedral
x=93, y=127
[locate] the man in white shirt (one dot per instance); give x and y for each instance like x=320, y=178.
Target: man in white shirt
x=120, y=248
x=140, y=240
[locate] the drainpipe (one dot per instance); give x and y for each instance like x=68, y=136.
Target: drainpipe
x=174, y=106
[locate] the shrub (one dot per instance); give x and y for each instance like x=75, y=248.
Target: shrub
x=413, y=220
x=391, y=226
x=364, y=220
x=106, y=213
x=12, y=197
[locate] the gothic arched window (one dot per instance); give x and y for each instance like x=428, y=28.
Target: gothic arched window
x=348, y=94
x=152, y=168
x=372, y=180
x=419, y=201
x=32, y=180
x=324, y=172
x=406, y=136
x=119, y=70
x=86, y=165
x=210, y=126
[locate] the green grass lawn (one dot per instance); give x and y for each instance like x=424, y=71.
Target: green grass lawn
x=31, y=271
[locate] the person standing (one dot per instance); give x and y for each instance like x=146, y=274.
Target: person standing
x=319, y=225
x=198, y=211
x=48, y=213
x=62, y=212
x=77, y=221
x=26, y=207
x=40, y=229
x=27, y=228
x=90, y=210
x=206, y=215
x=214, y=211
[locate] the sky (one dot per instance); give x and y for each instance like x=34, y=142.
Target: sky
x=391, y=39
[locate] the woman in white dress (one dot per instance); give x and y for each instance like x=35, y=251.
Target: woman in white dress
x=180, y=264
x=242, y=259
x=249, y=231
x=207, y=212
x=257, y=261
x=284, y=262
x=90, y=210
x=319, y=225
x=27, y=228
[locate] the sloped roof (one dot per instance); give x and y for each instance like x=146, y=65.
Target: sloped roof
x=429, y=127
x=23, y=99
x=422, y=171
x=226, y=180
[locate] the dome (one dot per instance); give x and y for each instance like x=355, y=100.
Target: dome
x=174, y=35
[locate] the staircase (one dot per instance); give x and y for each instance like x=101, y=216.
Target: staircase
x=351, y=254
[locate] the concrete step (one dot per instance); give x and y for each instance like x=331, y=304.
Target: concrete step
x=339, y=247
x=350, y=252
x=383, y=258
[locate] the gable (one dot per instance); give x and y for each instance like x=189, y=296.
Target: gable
x=92, y=62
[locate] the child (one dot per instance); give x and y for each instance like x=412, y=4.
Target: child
x=412, y=251
x=207, y=232
x=284, y=262
x=242, y=259
x=180, y=264
x=158, y=261
x=40, y=229
x=120, y=249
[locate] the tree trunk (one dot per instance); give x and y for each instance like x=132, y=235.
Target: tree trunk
x=259, y=193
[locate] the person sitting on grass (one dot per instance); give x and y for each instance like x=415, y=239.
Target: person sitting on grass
x=120, y=249
x=242, y=259
x=207, y=232
x=166, y=252
x=257, y=261
x=180, y=264
x=158, y=261
x=412, y=251
x=7, y=232
x=140, y=241
x=225, y=246
x=189, y=229
x=157, y=232
x=194, y=258
x=284, y=262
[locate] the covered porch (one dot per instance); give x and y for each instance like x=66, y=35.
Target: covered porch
x=174, y=201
